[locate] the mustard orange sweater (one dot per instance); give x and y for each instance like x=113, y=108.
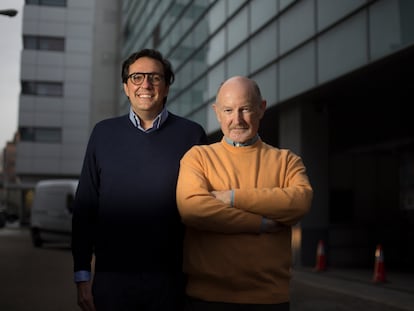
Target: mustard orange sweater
x=226, y=257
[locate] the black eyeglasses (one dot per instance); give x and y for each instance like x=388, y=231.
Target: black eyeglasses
x=138, y=78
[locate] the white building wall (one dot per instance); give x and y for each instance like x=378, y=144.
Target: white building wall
x=75, y=112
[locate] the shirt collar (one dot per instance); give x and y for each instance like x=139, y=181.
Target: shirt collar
x=247, y=143
x=156, y=124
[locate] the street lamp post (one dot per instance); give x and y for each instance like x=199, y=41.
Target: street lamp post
x=9, y=12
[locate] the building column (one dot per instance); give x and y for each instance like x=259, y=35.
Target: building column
x=304, y=130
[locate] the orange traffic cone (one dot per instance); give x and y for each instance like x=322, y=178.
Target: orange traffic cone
x=379, y=268
x=320, y=257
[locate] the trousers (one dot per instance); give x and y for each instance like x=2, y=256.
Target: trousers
x=138, y=291
x=192, y=304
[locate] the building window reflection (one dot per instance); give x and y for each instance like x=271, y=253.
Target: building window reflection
x=40, y=88
x=40, y=134
x=47, y=2
x=43, y=43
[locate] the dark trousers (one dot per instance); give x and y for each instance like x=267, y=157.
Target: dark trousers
x=192, y=304
x=137, y=291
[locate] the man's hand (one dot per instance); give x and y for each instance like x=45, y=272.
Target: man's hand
x=85, y=298
x=224, y=196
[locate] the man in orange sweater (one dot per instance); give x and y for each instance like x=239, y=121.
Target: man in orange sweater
x=239, y=199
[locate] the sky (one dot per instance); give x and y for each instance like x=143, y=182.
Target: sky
x=10, y=51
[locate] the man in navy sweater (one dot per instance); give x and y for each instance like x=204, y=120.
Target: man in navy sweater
x=125, y=212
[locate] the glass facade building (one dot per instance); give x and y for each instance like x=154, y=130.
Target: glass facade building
x=336, y=76
x=288, y=47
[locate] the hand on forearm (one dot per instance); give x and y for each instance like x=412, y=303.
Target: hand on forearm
x=224, y=196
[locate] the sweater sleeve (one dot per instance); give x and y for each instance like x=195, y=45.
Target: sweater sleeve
x=200, y=209
x=287, y=203
x=84, y=212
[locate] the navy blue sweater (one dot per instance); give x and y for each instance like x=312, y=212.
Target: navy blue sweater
x=125, y=207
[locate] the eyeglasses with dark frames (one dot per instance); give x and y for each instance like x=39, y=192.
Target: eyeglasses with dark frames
x=138, y=78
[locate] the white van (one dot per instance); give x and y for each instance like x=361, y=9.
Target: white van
x=51, y=212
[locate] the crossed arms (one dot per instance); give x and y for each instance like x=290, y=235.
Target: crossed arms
x=246, y=210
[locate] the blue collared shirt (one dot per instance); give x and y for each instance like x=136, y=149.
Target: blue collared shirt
x=250, y=142
x=158, y=121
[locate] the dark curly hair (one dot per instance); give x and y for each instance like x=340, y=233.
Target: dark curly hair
x=154, y=54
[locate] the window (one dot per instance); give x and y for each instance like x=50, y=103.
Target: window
x=43, y=43
x=47, y=2
x=42, y=88
x=40, y=134
x=156, y=36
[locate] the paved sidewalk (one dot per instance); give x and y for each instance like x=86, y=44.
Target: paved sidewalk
x=397, y=292
x=13, y=229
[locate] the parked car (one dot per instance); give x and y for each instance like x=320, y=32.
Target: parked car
x=51, y=212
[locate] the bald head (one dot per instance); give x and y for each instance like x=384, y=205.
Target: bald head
x=239, y=107
x=242, y=85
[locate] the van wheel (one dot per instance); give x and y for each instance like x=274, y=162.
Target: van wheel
x=36, y=239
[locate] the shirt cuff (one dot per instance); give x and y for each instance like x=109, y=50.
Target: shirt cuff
x=232, y=198
x=82, y=276
x=263, y=225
